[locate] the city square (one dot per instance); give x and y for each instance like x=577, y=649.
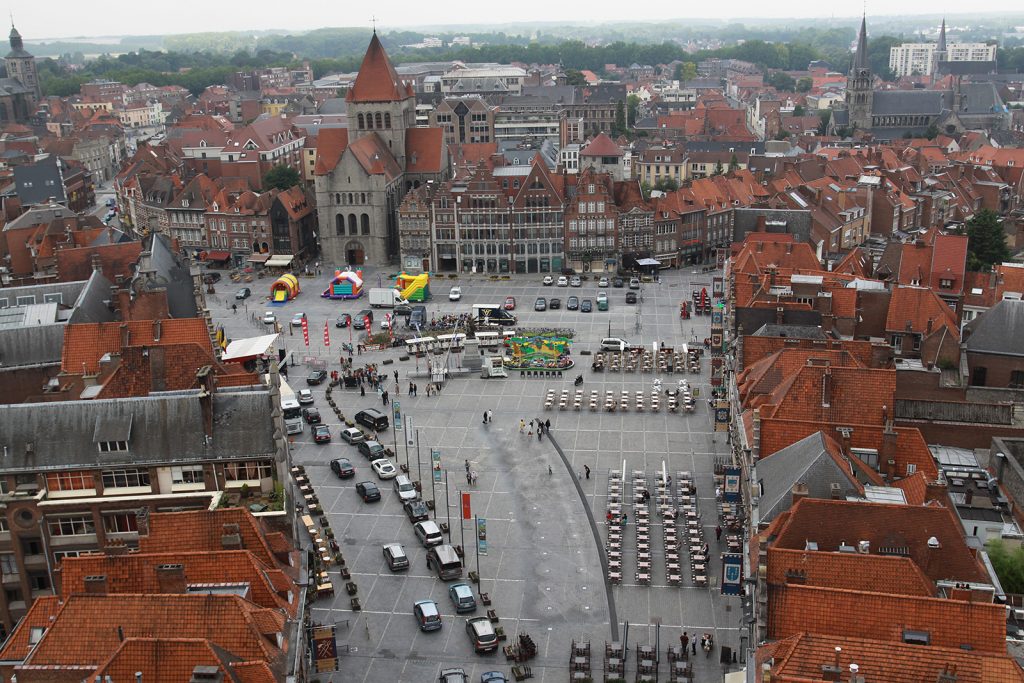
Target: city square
x=542, y=569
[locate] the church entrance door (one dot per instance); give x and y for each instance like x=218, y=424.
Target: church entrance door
x=354, y=253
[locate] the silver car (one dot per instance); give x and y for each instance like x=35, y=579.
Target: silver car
x=405, y=489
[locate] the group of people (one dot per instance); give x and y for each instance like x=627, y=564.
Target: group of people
x=542, y=427
x=707, y=643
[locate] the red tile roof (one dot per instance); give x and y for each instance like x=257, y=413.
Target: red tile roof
x=331, y=144
x=375, y=157
x=19, y=644
x=916, y=306
x=202, y=530
x=377, y=80
x=601, y=146
x=172, y=660
x=424, y=150
x=86, y=343
x=872, y=573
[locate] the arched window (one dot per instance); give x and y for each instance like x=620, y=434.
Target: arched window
x=365, y=219
x=351, y=198
x=362, y=197
x=337, y=198
x=387, y=120
x=376, y=120
x=352, y=229
x=339, y=224
x=361, y=122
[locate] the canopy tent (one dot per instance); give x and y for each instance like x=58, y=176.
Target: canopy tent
x=218, y=255
x=259, y=258
x=648, y=262
x=280, y=261
x=241, y=350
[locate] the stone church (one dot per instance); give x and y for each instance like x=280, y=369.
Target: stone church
x=20, y=91
x=893, y=114
x=363, y=171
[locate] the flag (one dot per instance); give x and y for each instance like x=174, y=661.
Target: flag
x=327, y=335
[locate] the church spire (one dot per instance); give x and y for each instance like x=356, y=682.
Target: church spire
x=860, y=57
x=941, y=47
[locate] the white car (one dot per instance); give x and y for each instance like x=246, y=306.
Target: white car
x=548, y=281
x=385, y=323
x=353, y=435
x=455, y=294
x=603, y=282
x=384, y=468
x=305, y=397
x=297, y=319
x=269, y=318
x=576, y=281
x=563, y=281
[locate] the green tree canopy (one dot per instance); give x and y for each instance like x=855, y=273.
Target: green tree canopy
x=574, y=77
x=1009, y=565
x=780, y=80
x=986, y=241
x=282, y=177
x=804, y=84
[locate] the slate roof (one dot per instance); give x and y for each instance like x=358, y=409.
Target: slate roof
x=902, y=102
x=998, y=330
x=790, y=331
x=168, y=429
x=39, y=183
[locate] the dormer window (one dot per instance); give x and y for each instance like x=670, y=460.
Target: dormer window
x=113, y=446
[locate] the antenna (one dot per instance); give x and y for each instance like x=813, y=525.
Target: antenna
x=373, y=22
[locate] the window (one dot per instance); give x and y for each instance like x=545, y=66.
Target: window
x=1017, y=379
x=187, y=474
x=59, y=555
x=69, y=481
x=35, y=634
x=946, y=284
x=247, y=471
x=39, y=582
x=113, y=446
x=125, y=478
x=911, y=468
x=121, y=523
x=71, y=525
x=8, y=564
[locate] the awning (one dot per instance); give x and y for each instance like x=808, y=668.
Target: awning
x=259, y=258
x=218, y=255
x=243, y=349
x=280, y=261
x=648, y=262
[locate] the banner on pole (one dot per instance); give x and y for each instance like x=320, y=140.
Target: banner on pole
x=731, y=489
x=467, y=507
x=396, y=411
x=481, y=535
x=732, y=574
x=305, y=331
x=410, y=436
x=435, y=460
x=327, y=335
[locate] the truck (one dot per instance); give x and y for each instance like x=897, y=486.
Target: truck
x=385, y=297
x=290, y=409
x=493, y=367
x=490, y=315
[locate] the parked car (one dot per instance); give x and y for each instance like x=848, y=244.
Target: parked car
x=573, y=304
x=416, y=511
x=402, y=309
x=618, y=282
x=614, y=344
x=427, y=616
x=455, y=294
x=563, y=281
x=462, y=597
x=395, y=557
x=352, y=435
x=371, y=450
x=211, y=278
x=357, y=322
x=342, y=468
x=603, y=282
x=371, y=418
x=493, y=677
x=269, y=318
x=321, y=433
x=541, y=304
x=575, y=281
x=243, y=293
x=405, y=489
x=316, y=377
x=587, y=306
x=368, y=491
x=384, y=468
x=385, y=322
x=429, y=533
x=555, y=303
x=481, y=634
x=311, y=416
x=634, y=283
x=343, y=320
x=630, y=297
x=297, y=319
x=548, y=281
x=305, y=397
x=510, y=303
x=602, y=301
x=453, y=675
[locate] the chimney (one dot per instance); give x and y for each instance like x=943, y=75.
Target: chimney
x=935, y=491
x=171, y=578
x=205, y=377
x=800, y=491
x=968, y=494
x=231, y=538
x=780, y=314
x=762, y=226
x=1000, y=466
x=96, y=584
x=826, y=388
x=932, y=554
x=156, y=330
x=833, y=671
x=115, y=548
x=125, y=335
x=120, y=634
x=206, y=674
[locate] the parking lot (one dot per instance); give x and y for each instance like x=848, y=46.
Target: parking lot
x=542, y=568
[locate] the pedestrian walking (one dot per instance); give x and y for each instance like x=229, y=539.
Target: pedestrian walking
x=490, y=416
x=586, y=468
x=684, y=640
x=718, y=533
x=547, y=426
x=469, y=477
x=550, y=472
x=396, y=376
x=485, y=417
x=522, y=425
x=385, y=398
x=693, y=644
x=362, y=389
x=625, y=518
x=540, y=432
x=467, y=465
x=473, y=477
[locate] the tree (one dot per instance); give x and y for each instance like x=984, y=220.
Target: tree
x=281, y=177
x=986, y=241
x=1009, y=565
x=734, y=163
x=619, y=127
x=685, y=71
x=798, y=110
x=825, y=115
x=718, y=168
x=932, y=132
x=780, y=80
x=667, y=184
x=804, y=84
x=632, y=105
x=574, y=77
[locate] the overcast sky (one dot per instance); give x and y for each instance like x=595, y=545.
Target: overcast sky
x=66, y=18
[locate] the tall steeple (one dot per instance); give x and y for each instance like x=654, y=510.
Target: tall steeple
x=940, y=54
x=860, y=57
x=941, y=47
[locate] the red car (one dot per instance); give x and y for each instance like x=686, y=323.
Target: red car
x=510, y=303
x=321, y=433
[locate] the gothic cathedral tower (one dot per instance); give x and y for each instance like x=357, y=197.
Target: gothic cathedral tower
x=379, y=102
x=940, y=55
x=21, y=66
x=860, y=83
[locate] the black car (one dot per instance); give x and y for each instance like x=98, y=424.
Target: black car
x=243, y=293
x=587, y=306
x=402, y=309
x=211, y=278
x=540, y=304
x=573, y=304
x=618, y=282
x=361, y=316
x=316, y=377
x=368, y=491
x=554, y=304
x=630, y=297
x=343, y=468
x=417, y=511
x=343, y=320
x=371, y=450
x=311, y=415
